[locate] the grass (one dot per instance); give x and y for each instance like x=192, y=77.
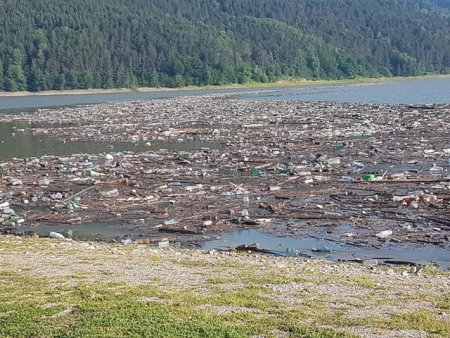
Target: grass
x=367, y=282
x=444, y=302
x=266, y=278
x=30, y=307
x=227, y=296
x=421, y=320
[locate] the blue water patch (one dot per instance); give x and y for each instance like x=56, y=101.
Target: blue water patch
x=330, y=249
x=429, y=91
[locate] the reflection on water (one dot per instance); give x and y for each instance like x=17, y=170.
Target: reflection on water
x=400, y=92
x=91, y=231
x=330, y=249
x=280, y=245
x=405, y=91
x=14, y=142
x=44, y=101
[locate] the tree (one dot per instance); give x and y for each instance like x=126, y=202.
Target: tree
x=1, y=75
x=15, y=78
x=56, y=44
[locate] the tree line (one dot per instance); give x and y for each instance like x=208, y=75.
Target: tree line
x=77, y=44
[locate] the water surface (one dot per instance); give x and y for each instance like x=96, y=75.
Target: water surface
x=46, y=101
x=322, y=248
x=416, y=91
x=16, y=143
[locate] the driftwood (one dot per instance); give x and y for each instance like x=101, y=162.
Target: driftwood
x=414, y=180
x=180, y=231
x=398, y=262
x=310, y=216
x=151, y=240
x=253, y=248
x=443, y=222
x=79, y=193
x=306, y=192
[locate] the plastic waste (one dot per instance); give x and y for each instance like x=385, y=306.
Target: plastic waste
x=56, y=235
x=110, y=193
x=127, y=241
x=72, y=203
x=56, y=196
x=405, y=199
x=194, y=187
x=207, y=223
x=371, y=262
x=44, y=181
x=368, y=177
x=291, y=252
x=323, y=248
x=13, y=218
x=334, y=161
x=436, y=170
x=384, y=234
x=170, y=222
x=163, y=244
x=341, y=145
x=358, y=165
x=184, y=154
x=246, y=202
x=227, y=193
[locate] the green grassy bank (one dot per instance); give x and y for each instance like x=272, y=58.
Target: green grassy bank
x=54, y=288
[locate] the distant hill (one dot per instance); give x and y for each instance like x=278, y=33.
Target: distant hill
x=61, y=44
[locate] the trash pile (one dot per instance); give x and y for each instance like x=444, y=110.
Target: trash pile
x=291, y=167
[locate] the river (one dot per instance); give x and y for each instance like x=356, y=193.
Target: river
x=13, y=143
x=416, y=91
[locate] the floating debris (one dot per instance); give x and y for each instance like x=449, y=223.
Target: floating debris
x=260, y=164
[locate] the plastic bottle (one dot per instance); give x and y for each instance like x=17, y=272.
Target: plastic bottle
x=246, y=202
x=358, y=165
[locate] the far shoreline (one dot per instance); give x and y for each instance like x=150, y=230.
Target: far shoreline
x=251, y=85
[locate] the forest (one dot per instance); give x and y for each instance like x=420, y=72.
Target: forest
x=81, y=44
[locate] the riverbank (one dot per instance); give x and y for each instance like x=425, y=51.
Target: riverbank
x=281, y=83
x=56, y=287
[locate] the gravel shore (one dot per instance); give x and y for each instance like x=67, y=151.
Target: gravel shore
x=350, y=298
